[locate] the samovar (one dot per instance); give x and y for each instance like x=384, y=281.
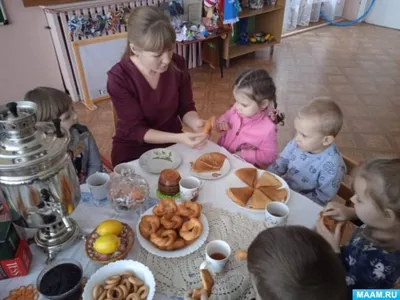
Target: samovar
x=37, y=177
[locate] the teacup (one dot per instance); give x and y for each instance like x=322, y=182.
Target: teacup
x=98, y=185
x=217, y=254
x=276, y=214
x=189, y=188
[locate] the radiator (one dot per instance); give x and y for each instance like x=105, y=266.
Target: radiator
x=58, y=16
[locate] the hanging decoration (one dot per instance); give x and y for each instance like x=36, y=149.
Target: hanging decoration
x=86, y=26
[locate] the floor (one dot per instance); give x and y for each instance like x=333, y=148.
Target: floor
x=359, y=67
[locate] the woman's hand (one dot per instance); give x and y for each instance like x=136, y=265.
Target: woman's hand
x=222, y=126
x=189, y=295
x=339, y=212
x=198, y=125
x=332, y=238
x=192, y=120
x=193, y=140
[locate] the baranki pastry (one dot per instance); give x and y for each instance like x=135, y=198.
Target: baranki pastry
x=172, y=226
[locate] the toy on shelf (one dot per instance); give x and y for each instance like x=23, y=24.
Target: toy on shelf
x=261, y=37
x=243, y=34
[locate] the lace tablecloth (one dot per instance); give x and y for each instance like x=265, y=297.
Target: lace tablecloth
x=177, y=275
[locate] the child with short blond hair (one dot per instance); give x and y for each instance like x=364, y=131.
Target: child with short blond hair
x=372, y=257
x=55, y=104
x=311, y=163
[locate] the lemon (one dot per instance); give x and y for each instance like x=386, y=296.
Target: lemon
x=106, y=244
x=110, y=227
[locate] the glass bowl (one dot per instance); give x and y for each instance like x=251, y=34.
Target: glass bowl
x=128, y=193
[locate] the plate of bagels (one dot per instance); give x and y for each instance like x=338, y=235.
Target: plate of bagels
x=210, y=166
x=170, y=229
x=252, y=189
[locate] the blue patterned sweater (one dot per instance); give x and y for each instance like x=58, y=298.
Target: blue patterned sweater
x=367, y=266
x=317, y=176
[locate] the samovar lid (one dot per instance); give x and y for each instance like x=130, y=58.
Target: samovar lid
x=29, y=149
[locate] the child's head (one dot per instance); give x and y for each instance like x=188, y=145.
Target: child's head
x=53, y=104
x=254, y=90
x=377, y=194
x=317, y=124
x=293, y=262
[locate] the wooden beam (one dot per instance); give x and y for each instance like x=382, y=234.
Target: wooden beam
x=29, y=3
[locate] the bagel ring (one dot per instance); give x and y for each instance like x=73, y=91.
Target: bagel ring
x=124, y=290
x=97, y=291
x=165, y=239
x=143, y=292
x=135, y=281
x=113, y=280
x=133, y=296
x=103, y=296
x=165, y=207
x=191, y=229
x=178, y=244
x=189, y=209
x=149, y=225
x=125, y=282
x=115, y=293
x=174, y=223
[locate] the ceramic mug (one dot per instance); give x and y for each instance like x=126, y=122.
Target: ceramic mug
x=276, y=214
x=98, y=185
x=217, y=254
x=124, y=169
x=189, y=188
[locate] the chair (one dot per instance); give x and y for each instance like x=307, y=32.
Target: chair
x=345, y=190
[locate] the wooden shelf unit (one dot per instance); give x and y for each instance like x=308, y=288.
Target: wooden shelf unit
x=268, y=19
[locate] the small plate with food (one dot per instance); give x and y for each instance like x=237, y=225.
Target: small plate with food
x=210, y=166
x=173, y=230
x=156, y=160
x=123, y=279
x=110, y=241
x=252, y=189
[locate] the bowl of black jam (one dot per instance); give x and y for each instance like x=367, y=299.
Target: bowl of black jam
x=61, y=280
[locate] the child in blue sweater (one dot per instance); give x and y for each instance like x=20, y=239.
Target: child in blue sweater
x=310, y=163
x=372, y=257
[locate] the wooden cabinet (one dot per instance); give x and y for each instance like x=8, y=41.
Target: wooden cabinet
x=268, y=19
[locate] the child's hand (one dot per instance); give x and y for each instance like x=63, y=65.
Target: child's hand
x=339, y=212
x=189, y=295
x=332, y=238
x=222, y=126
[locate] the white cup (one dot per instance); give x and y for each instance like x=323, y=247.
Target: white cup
x=189, y=188
x=98, y=185
x=217, y=254
x=276, y=214
x=124, y=169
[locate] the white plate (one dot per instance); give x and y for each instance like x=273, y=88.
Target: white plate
x=234, y=181
x=214, y=175
x=115, y=268
x=156, y=160
x=177, y=253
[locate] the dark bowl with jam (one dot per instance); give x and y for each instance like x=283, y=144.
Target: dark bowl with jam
x=61, y=280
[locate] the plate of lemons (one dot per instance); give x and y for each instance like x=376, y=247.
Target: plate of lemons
x=109, y=241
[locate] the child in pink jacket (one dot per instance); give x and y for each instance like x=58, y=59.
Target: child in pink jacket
x=249, y=127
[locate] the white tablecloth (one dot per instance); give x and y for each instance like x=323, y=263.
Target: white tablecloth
x=302, y=212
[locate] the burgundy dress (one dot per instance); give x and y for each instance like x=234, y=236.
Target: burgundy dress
x=140, y=108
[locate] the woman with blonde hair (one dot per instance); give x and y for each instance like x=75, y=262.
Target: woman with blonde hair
x=151, y=90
